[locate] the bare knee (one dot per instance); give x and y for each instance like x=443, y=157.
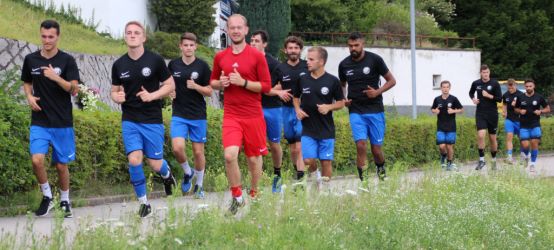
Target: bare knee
x=135, y=158
x=230, y=157
x=37, y=160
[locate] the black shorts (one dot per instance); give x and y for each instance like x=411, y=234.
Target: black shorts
x=487, y=121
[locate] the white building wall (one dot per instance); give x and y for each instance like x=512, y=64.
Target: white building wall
x=111, y=15
x=460, y=67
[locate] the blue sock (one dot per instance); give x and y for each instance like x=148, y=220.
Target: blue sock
x=164, y=170
x=138, y=180
x=510, y=152
x=534, y=155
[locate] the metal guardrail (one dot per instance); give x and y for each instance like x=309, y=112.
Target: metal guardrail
x=388, y=40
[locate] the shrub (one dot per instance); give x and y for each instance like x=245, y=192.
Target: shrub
x=101, y=157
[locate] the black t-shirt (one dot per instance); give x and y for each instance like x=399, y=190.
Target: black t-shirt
x=446, y=122
x=54, y=101
x=147, y=71
x=288, y=76
x=189, y=103
x=323, y=90
x=271, y=101
x=359, y=75
x=486, y=105
x=531, y=104
x=507, y=99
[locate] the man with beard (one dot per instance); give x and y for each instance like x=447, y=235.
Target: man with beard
x=242, y=72
x=360, y=73
x=486, y=114
x=287, y=75
x=530, y=106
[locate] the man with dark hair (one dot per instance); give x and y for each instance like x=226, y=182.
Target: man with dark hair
x=192, y=84
x=319, y=95
x=530, y=106
x=360, y=75
x=286, y=75
x=446, y=106
x=50, y=77
x=136, y=78
x=511, y=123
x=243, y=73
x=486, y=114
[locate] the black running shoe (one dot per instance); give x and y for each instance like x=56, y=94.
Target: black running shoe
x=169, y=183
x=235, y=205
x=65, y=206
x=480, y=165
x=381, y=173
x=45, y=206
x=145, y=210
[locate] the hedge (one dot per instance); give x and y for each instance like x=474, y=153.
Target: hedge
x=101, y=158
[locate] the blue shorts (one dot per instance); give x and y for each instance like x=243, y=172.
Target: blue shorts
x=526, y=134
x=318, y=149
x=446, y=137
x=61, y=139
x=146, y=137
x=195, y=130
x=511, y=127
x=273, y=123
x=291, y=125
x=370, y=126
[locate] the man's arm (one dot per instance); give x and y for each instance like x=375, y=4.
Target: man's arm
x=167, y=87
x=70, y=86
x=203, y=90
x=118, y=94
x=300, y=114
x=390, y=82
x=31, y=99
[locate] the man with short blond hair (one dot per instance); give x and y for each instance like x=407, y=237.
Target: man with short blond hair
x=136, y=78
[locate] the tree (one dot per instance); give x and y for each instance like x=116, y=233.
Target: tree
x=178, y=16
x=272, y=16
x=318, y=16
x=517, y=39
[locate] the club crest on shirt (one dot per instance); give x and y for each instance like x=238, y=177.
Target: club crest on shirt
x=324, y=90
x=146, y=71
x=534, y=103
x=449, y=105
x=58, y=70
x=194, y=75
x=366, y=70
x=489, y=88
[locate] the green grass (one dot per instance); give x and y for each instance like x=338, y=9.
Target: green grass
x=21, y=23
x=504, y=211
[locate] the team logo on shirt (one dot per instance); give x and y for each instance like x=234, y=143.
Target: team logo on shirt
x=534, y=103
x=489, y=88
x=58, y=70
x=194, y=75
x=286, y=78
x=479, y=88
x=324, y=91
x=449, y=105
x=302, y=73
x=177, y=74
x=235, y=65
x=366, y=70
x=35, y=71
x=305, y=90
x=523, y=103
x=350, y=72
x=146, y=71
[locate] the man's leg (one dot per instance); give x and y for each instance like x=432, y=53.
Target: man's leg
x=199, y=162
x=40, y=172
x=276, y=156
x=481, y=148
x=534, y=153
x=296, y=158
x=255, y=169
x=361, y=157
x=444, y=153
x=509, y=146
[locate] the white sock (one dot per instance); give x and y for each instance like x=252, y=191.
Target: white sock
x=142, y=200
x=493, y=159
x=199, y=177
x=46, y=191
x=186, y=167
x=64, y=195
x=239, y=199
x=509, y=157
x=482, y=158
x=317, y=174
x=522, y=155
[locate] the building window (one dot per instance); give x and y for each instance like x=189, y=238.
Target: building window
x=437, y=81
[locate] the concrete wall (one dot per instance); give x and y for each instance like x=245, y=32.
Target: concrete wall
x=112, y=15
x=460, y=67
